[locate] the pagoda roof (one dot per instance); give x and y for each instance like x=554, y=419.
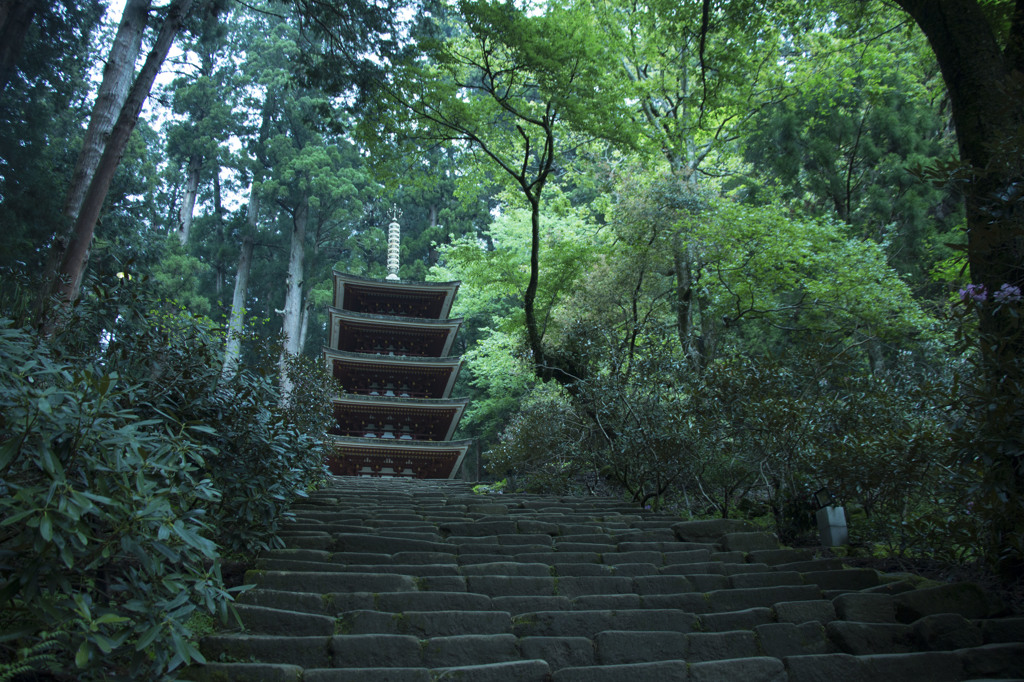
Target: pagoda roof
x=374, y=373
x=385, y=457
x=395, y=418
x=389, y=334
x=431, y=300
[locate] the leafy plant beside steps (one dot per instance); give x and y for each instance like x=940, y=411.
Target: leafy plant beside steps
x=128, y=467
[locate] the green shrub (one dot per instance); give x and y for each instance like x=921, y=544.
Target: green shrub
x=126, y=465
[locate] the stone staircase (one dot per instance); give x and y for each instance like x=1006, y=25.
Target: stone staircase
x=408, y=580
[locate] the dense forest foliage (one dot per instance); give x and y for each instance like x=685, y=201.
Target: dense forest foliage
x=715, y=256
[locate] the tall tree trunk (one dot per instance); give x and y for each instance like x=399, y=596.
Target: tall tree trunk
x=291, y=325
x=73, y=264
x=987, y=100
x=117, y=79
x=683, y=266
x=110, y=98
x=233, y=345
x=188, y=199
x=236, y=320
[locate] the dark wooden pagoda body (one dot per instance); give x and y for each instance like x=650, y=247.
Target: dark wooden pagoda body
x=389, y=354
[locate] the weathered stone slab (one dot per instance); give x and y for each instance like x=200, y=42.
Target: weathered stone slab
x=633, y=570
x=707, y=582
x=865, y=608
x=617, y=646
x=646, y=557
x=745, y=619
x=589, y=623
x=298, y=601
x=934, y=666
x=585, y=569
x=790, y=639
x=827, y=668
x=737, y=599
x=365, y=675
x=690, y=602
x=945, y=632
x=520, y=671
x=250, y=672
x=461, y=650
x=361, y=542
x=967, y=599
x=733, y=557
x=689, y=556
x=306, y=652
x=575, y=586
x=659, y=671
x=759, y=669
x=715, y=646
x=559, y=652
x=517, y=604
x=431, y=601
x=504, y=585
x=418, y=558
x=661, y=584
x=315, y=581
x=441, y=583
x=863, y=639
x=477, y=528
x=272, y=621
x=375, y=651
x=994, y=661
x=606, y=602
x=590, y=547
x=536, y=527
x=766, y=579
x=508, y=568
x=820, y=610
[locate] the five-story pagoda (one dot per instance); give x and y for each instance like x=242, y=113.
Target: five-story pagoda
x=389, y=354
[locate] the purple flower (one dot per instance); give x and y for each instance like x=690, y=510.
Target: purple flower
x=1007, y=293
x=975, y=292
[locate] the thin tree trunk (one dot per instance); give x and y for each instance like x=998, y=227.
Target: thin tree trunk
x=236, y=320
x=304, y=325
x=292, y=311
x=188, y=200
x=233, y=345
x=73, y=264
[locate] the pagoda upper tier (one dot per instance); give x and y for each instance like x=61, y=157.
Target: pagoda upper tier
x=391, y=334
x=428, y=300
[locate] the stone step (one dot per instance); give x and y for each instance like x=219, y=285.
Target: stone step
x=424, y=581
x=424, y=624
x=321, y=581
x=589, y=623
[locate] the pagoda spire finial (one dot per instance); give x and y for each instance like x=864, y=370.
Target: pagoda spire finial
x=394, y=238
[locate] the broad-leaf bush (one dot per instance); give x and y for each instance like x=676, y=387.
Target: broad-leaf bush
x=126, y=467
